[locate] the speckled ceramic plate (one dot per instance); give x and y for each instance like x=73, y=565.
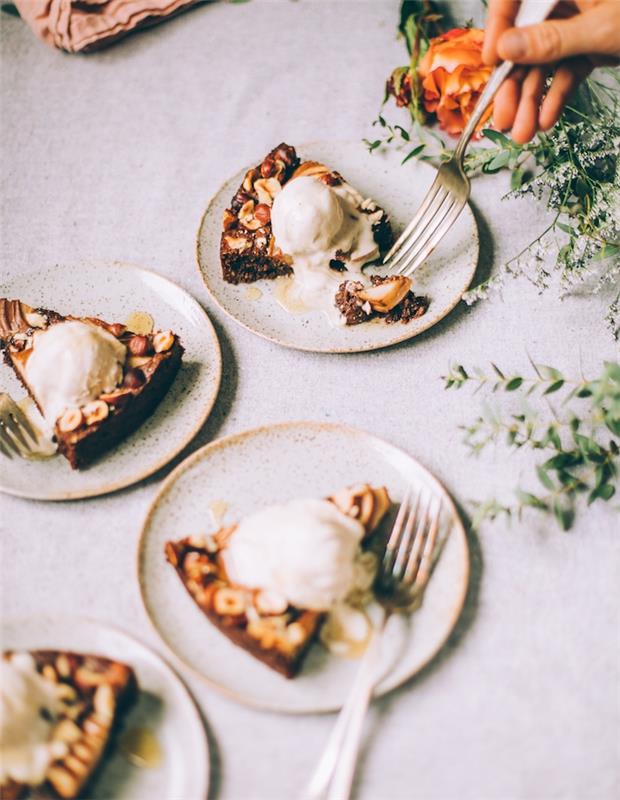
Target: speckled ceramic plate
x=113, y=292
x=164, y=709
x=244, y=472
x=400, y=190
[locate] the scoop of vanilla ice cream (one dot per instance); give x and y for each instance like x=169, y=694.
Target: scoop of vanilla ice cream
x=306, y=216
x=71, y=364
x=26, y=749
x=305, y=550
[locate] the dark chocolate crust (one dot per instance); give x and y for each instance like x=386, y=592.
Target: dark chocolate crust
x=83, y=670
x=128, y=408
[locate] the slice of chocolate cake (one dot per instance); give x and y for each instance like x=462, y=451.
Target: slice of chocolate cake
x=94, y=382
x=64, y=709
x=275, y=628
x=249, y=250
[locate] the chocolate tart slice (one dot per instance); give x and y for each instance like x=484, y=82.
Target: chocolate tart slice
x=94, y=693
x=263, y=624
x=83, y=434
x=248, y=250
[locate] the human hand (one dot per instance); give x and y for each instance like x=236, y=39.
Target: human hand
x=580, y=35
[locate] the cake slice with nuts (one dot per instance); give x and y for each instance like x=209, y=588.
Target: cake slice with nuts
x=94, y=382
x=269, y=582
x=59, y=713
x=305, y=220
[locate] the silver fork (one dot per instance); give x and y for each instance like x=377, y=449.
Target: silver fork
x=17, y=436
x=450, y=190
x=405, y=569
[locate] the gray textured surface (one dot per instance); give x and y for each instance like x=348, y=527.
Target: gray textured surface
x=113, y=156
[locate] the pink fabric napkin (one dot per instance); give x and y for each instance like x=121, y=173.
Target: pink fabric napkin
x=77, y=25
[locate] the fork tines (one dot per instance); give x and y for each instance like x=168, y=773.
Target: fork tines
x=411, y=548
x=17, y=436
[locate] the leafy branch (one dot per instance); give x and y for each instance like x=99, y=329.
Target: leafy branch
x=579, y=439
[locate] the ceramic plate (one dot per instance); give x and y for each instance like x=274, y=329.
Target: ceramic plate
x=113, y=292
x=164, y=709
x=273, y=464
x=400, y=190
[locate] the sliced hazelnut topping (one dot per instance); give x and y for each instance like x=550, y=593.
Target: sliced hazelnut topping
x=63, y=666
x=95, y=411
x=260, y=242
x=384, y=296
x=104, y=702
x=94, y=728
x=163, y=341
x=246, y=211
x=229, y=602
x=228, y=220
x=135, y=362
x=64, y=782
x=382, y=505
x=49, y=673
x=83, y=751
x=66, y=692
x=197, y=541
x=267, y=167
x=116, y=329
x=310, y=169
x=296, y=633
x=270, y=602
x=67, y=731
x=237, y=242
x=262, y=212
x=139, y=345
x=77, y=767
x=248, y=181
x=171, y=554
x=133, y=378
x=267, y=189
x=35, y=320
x=70, y=420
x=196, y=565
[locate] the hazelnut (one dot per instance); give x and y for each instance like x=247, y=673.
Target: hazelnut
x=137, y=362
x=296, y=633
x=237, y=242
x=63, y=666
x=67, y=731
x=384, y=296
x=70, y=420
x=104, y=702
x=95, y=411
x=116, y=329
x=64, y=782
x=229, y=602
x=270, y=602
x=330, y=179
x=267, y=167
x=262, y=212
x=139, y=345
x=286, y=153
x=248, y=181
x=239, y=199
x=49, y=673
x=267, y=189
x=228, y=220
x=163, y=341
x=134, y=378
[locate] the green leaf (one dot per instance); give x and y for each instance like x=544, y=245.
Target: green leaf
x=554, y=386
x=606, y=251
x=606, y=491
x=564, y=514
x=566, y=228
x=372, y=145
x=528, y=499
x=549, y=373
x=416, y=151
x=498, y=162
x=513, y=384
x=497, y=138
x=544, y=478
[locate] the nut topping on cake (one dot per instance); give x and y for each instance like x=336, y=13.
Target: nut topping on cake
x=267, y=189
x=70, y=420
x=163, y=341
x=95, y=411
x=267, y=602
x=383, y=297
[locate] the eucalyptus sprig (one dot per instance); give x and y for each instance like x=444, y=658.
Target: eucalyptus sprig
x=579, y=437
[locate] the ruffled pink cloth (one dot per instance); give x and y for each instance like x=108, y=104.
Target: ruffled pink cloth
x=76, y=25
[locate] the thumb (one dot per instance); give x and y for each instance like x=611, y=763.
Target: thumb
x=557, y=39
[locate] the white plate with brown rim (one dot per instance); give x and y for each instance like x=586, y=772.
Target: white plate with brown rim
x=399, y=189
x=161, y=748
x=114, y=292
x=238, y=474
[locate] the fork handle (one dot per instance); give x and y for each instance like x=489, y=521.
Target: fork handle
x=333, y=776
x=531, y=12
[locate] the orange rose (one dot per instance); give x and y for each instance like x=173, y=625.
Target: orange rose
x=453, y=76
